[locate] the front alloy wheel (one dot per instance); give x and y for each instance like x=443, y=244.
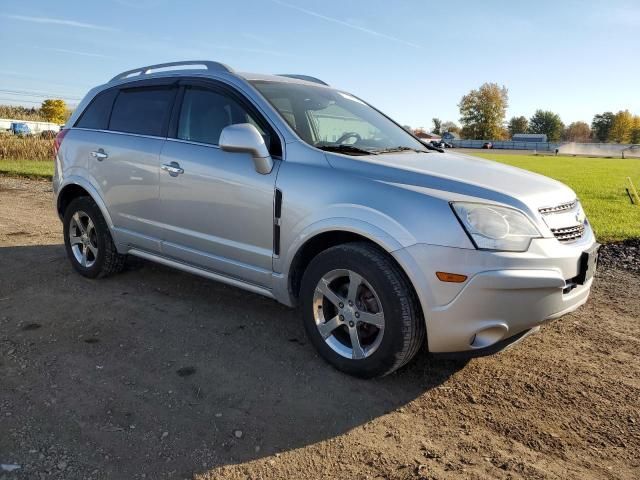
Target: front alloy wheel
x=348, y=314
x=360, y=311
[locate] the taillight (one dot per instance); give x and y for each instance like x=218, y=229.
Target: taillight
x=58, y=140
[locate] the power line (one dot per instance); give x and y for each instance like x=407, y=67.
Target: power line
x=19, y=101
x=36, y=94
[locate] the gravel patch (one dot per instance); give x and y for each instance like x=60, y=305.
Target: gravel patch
x=622, y=255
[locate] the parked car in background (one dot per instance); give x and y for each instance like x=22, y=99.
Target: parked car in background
x=20, y=129
x=441, y=144
x=286, y=187
x=487, y=145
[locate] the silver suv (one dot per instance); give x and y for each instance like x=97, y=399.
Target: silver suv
x=284, y=186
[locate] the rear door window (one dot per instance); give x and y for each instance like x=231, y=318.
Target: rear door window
x=96, y=115
x=144, y=111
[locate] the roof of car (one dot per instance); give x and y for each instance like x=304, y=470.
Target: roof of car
x=282, y=77
x=211, y=68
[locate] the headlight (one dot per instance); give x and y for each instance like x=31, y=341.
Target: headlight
x=496, y=228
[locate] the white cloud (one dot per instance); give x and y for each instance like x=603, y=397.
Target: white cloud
x=346, y=24
x=59, y=21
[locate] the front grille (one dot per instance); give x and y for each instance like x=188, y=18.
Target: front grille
x=558, y=208
x=565, y=220
x=568, y=234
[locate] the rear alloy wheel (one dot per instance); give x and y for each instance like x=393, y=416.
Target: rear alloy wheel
x=83, y=239
x=359, y=310
x=88, y=242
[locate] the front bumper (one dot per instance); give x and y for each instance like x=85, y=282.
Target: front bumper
x=506, y=293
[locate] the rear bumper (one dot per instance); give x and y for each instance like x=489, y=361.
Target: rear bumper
x=504, y=295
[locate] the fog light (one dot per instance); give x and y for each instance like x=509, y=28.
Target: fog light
x=488, y=336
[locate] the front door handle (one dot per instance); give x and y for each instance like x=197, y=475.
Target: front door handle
x=173, y=168
x=99, y=154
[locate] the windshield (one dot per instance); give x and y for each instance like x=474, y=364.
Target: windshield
x=333, y=120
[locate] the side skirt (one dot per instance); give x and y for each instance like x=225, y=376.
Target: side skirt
x=201, y=272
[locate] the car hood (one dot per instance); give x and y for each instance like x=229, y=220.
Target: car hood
x=454, y=176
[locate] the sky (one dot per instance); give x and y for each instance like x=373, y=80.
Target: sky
x=414, y=60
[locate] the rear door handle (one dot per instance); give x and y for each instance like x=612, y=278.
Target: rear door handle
x=99, y=154
x=173, y=168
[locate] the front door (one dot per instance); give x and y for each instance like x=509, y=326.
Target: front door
x=217, y=210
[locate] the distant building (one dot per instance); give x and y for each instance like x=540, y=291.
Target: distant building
x=529, y=137
x=424, y=135
x=448, y=136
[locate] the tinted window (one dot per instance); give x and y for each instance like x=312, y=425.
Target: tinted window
x=96, y=115
x=205, y=113
x=144, y=111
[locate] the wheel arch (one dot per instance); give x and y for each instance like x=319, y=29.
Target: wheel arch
x=324, y=240
x=79, y=187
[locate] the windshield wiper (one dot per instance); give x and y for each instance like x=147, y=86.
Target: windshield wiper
x=428, y=146
x=344, y=148
x=398, y=149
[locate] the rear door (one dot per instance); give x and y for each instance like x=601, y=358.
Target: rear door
x=218, y=212
x=124, y=159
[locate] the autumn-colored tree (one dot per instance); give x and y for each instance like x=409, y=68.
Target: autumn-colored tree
x=54, y=110
x=518, y=125
x=450, y=127
x=482, y=112
x=622, y=127
x=548, y=123
x=601, y=125
x=577, y=132
x=635, y=131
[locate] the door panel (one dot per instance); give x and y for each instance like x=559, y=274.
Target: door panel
x=128, y=178
x=218, y=214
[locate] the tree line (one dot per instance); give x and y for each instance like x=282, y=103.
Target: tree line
x=483, y=117
x=51, y=110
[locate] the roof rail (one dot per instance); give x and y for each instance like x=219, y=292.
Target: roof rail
x=211, y=66
x=307, y=78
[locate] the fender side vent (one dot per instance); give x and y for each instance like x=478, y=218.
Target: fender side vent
x=277, y=213
x=276, y=240
x=277, y=208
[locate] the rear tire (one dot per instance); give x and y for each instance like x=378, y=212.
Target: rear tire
x=356, y=287
x=88, y=241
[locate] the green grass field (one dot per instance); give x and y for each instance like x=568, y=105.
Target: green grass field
x=39, y=169
x=599, y=183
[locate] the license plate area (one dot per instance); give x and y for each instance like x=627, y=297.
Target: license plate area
x=587, y=265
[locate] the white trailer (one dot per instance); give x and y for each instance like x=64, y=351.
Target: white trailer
x=34, y=127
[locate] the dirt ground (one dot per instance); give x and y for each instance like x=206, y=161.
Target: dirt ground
x=158, y=374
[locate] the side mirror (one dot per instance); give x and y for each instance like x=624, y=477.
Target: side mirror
x=244, y=137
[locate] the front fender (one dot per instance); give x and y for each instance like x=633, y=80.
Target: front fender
x=390, y=237
x=367, y=222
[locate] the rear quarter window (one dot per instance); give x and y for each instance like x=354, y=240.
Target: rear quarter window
x=144, y=111
x=96, y=115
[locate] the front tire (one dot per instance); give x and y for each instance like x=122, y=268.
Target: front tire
x=360, y=311
x=88, y=242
